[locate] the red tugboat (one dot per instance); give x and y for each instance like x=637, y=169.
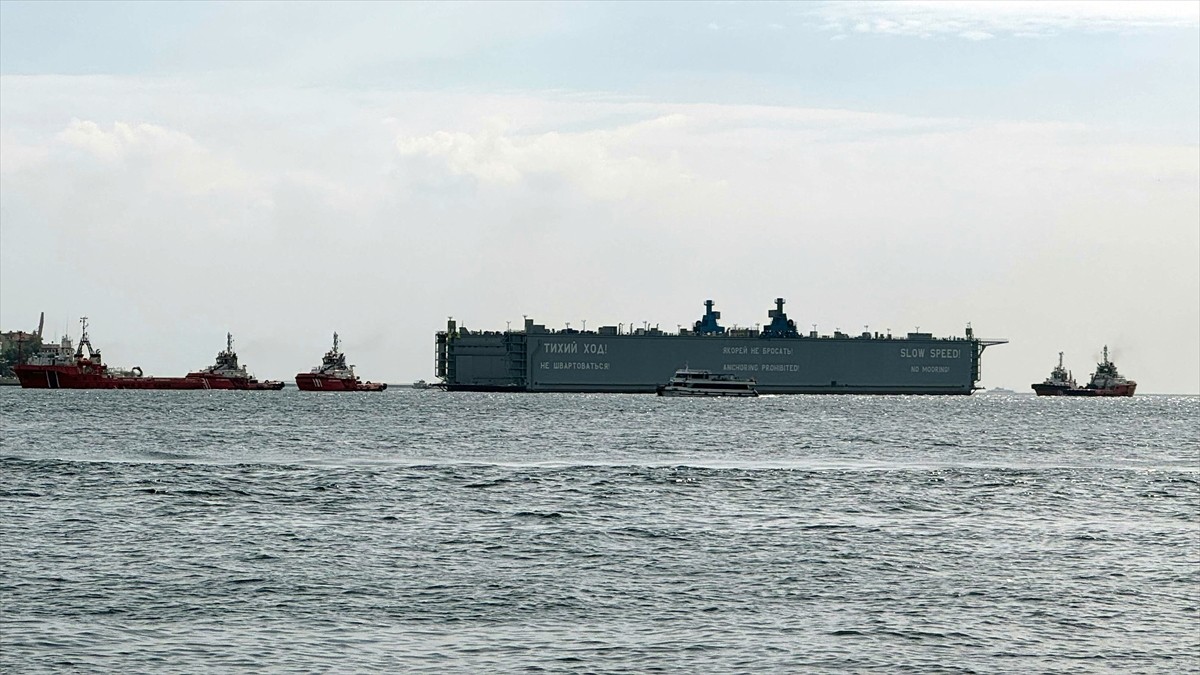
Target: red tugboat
x=227, y=374
x=58, y=367
x=1106, y=381
x=334, y=375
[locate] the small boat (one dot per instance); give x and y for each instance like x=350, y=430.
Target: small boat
x=334, y=375
x=420, y=384
x=688, y=382
x=227, y=374
x=1106, y=381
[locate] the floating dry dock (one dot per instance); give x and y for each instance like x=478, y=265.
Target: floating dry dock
x=781, y=360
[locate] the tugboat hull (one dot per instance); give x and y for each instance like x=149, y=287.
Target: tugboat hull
x=210, y=381
x=314, y=382
x=1118, y=390
x=1123, y=390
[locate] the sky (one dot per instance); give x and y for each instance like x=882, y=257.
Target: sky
x=281, y=171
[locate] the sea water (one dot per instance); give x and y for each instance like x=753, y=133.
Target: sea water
x=426, y=531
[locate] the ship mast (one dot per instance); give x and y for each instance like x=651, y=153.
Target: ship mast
x=83, y=340
x=229, y=342
x=335, y=342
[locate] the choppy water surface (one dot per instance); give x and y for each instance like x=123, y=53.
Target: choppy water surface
x=426, y=531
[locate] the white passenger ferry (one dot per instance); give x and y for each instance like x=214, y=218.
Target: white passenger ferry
x=688, y=382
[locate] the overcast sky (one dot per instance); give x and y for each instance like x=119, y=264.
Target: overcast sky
x=284, y=170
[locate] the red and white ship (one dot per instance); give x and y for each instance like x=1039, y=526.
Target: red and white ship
x=1106, y=381
x=227, y=374
x=334, y=375
x=61, y=367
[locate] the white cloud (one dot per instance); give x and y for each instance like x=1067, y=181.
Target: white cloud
x=980, y=20
x=976, y=35
x=172, y=160
x=125, y=139
x=16, y=155
x=609, y=165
